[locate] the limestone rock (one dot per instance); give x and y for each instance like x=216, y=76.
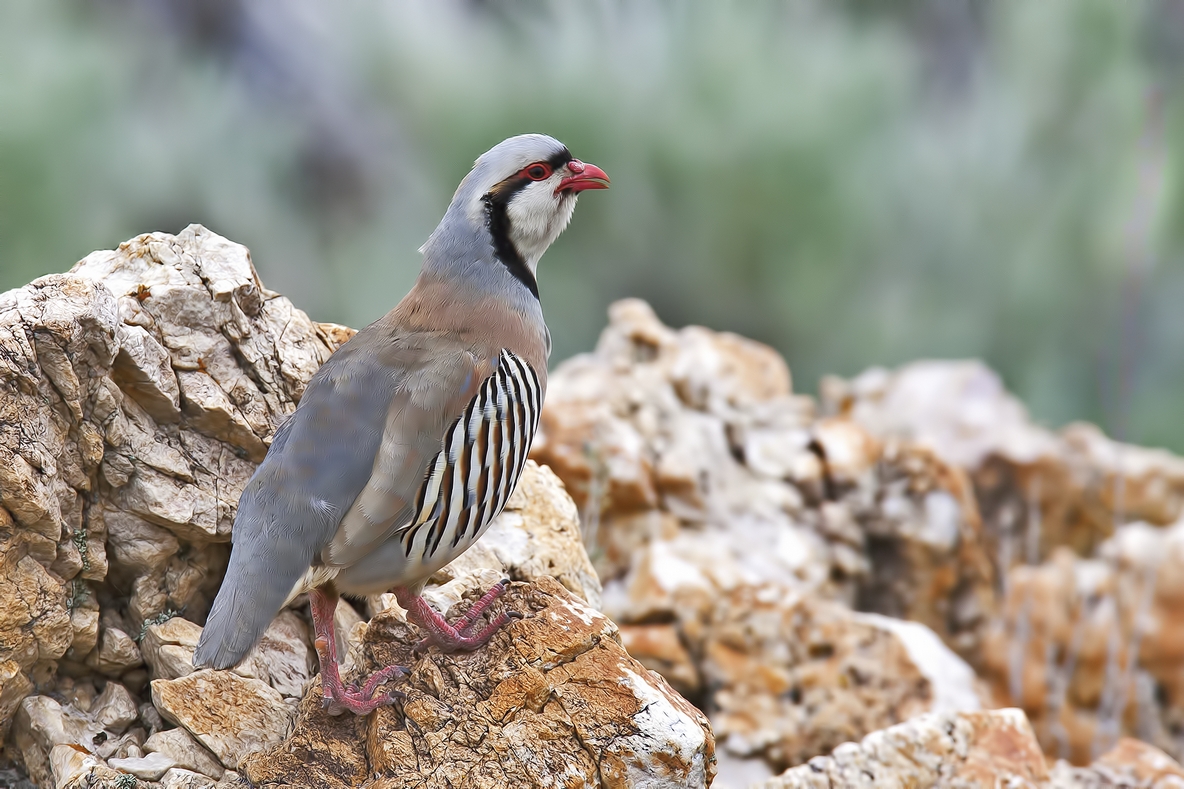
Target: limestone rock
x=963, y=750
x=186, y=752
x=114, y=709
x=150, y=767
x=117, y=653
x=177, y=778
x=1067, y=487
x=1090, y=648
x=552, y=695
x=1129, y=765
x=231, y=715
x=139, y=390
x=168, y=647
x=797, y=677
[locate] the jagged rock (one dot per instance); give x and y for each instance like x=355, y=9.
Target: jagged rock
x=42, y=725
x=74, y=768
x=117, y=653
x=702, y=485
x=1066, y=488
x=963, y=750
x=114, y=709
x=233, y=716
x=168, y=647
x=553, y=694
x=659, y=648
x=1069, y=629
x=1129, y=765
x=178, y=778
x=186, y=752
x=798, y=676
x=139, y=390
x=150, y=767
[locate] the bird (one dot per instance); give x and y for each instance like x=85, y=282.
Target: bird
x=408, y=441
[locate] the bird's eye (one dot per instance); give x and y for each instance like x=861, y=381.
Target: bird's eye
x=538, y=171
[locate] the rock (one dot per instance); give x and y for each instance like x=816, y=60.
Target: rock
x=970, y=749
x=186, y=752
x=73, y=766
x=43, y=725
x=1129, y=765
x=659, y=648
x=1069, y=628
x=797, y=677
x=231, y=715
x=177, y=778
x=114, y=709
x=14, y=688
x=140, y=389
x=552, y=694
x=284, y=653
x=150, y=767
x=168, y=647
x=1067, y=488
x=116, y=654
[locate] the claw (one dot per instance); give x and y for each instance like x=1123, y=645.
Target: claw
x=461, y=636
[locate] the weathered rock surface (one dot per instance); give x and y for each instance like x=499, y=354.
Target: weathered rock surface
x=975, y=749
x=138, y=392
x=135, y=393
x=970, y=750
x=1068, y=488
x=553, y=700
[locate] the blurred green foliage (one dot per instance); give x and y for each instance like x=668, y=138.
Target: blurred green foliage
x=855, y=183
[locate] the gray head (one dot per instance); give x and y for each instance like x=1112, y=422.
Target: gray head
x=516, y=200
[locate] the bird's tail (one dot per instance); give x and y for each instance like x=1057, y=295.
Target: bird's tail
x=258, y=584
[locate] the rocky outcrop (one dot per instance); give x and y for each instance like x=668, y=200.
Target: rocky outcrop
x=139, y=390
x=553, y=700
x=734, y=529
x=970, y=750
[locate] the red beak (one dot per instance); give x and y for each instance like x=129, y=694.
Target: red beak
x=583, y=176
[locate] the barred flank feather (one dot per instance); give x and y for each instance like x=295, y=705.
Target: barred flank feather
x=483, y=453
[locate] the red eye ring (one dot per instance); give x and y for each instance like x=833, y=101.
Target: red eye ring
x=539, y=171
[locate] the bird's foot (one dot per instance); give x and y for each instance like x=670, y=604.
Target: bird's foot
x=464, y=636
x=339, y=697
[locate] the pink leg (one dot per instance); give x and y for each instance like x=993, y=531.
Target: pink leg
x=461, y=637
x=340, y=697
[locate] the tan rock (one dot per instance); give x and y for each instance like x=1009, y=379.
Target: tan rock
x=90, y=362
x=186, y=752
x=231, y=715
x=659, y=648
x=284, y=654
x=178, y=778
x=797, y=677
x=168, y=647
x=964, y=750
x=42, y=725
x=150, y=767
x=117, y=653
x=72, y=765
x=114, y=709
x=552, y=695
x=1130, y=765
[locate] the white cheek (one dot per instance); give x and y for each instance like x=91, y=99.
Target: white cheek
x=537, y=217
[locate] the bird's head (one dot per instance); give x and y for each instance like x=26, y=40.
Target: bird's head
x=522, y=192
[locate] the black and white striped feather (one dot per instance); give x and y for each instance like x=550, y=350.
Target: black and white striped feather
x=477, y=468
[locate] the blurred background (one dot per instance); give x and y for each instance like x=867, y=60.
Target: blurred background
x=855, y=183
